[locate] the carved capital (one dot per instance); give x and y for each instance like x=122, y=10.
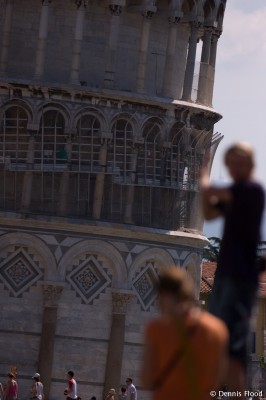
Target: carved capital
x=79, y=3
x=120, y=301
x=196, y=25
x=115, y=9
x=216, y=34
x=174, y=19
x=148, y=14
x=51, y=293
x=208, y=30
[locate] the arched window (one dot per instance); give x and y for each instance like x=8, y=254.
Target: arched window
x=86, y=145
x=175, y=162
x=50, y=141
x=150, y=168
x=187, y=6
x=14, y=140
x=119, y=159
x=14, y=136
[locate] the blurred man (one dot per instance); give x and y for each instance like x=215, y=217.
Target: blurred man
x=236, y=278
x=186, y=349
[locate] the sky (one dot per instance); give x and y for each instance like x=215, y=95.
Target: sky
x=240, y=88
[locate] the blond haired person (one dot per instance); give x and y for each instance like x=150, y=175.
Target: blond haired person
x=111, y=395
x=185, y=348
x=11, y=390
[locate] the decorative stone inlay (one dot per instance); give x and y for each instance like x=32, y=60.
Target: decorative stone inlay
x=19, y=270
x=51, y=294
x=89, y=278
x=144, y=285
x=120, y=301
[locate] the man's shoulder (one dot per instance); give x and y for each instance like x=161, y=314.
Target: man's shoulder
x=248, y=185
x=214, y=325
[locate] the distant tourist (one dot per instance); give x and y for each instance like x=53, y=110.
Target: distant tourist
x=36, y=391
x=11, y=390
x=123, y=395
x=111, y=395
x=131, y=390
x=71, y=390
x=1, y=391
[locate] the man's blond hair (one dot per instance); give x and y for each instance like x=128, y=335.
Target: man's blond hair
x=178, y=283
x=241, y=149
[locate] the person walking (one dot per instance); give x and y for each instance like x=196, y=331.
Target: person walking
x=235, y=286
x=131, y=390
x=185, y=352
x=36, y=391
x=71, y=390
x=1, y=391
x=123, y=395
x=111, y=395
x=11, y=390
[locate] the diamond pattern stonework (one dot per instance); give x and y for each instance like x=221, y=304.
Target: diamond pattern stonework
x=89, y=278
x=18, y=271
x=144, y=285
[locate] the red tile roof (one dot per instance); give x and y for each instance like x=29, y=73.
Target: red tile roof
x=207, y=277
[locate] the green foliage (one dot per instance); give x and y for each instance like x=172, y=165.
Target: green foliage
x=262, y=362
x=210, y=252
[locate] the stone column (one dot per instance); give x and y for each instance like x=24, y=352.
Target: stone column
x=190, y=66
x=144, y=44
x=131, y=188
x=212, y=63
x=41, y=46
x=51, y=295
x=116, y=10
x=168, y=84
x=76, y=52
x=204, y=67
x=64, y=183
x=99, y=183
x=28, y=175
x=213, y=49
x=7, y=16
x=116, y=342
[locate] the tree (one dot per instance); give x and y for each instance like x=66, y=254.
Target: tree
x=211, y=251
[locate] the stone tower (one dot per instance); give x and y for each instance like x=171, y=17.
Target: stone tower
x=106, y=113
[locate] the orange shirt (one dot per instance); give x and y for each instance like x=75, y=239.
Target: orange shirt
x=198, y=369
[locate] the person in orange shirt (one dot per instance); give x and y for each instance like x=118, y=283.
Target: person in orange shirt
x=185, y=353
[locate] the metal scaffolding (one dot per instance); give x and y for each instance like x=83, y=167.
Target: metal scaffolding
x=148, y=177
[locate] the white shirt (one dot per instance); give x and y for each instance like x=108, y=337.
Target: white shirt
x=39, y=390
x=72, y=385
x=132, y=392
